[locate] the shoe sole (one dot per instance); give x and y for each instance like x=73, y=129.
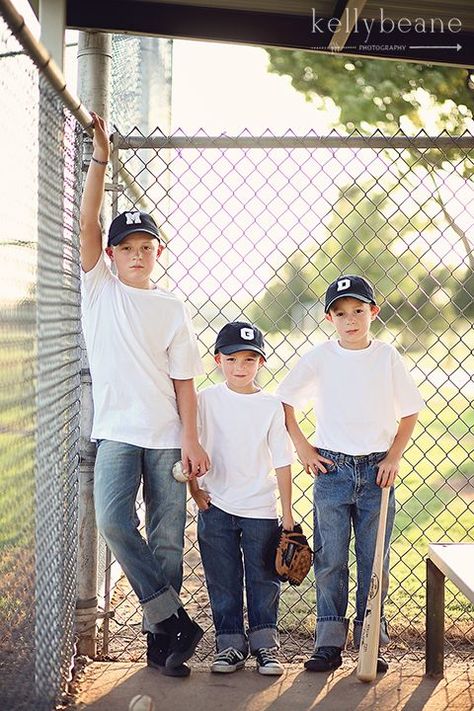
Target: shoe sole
x=268, y=671
x=217, y=669
x=179, y=671
x=175, y=659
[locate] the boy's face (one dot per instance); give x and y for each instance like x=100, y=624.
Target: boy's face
x=135, y=258
x=352, y=318
x=240, y=370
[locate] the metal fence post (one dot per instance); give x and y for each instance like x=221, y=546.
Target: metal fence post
x=94, y=59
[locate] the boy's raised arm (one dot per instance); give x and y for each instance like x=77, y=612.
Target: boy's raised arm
x=92, y=197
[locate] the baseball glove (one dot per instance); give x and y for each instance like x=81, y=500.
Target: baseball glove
x=293, y=556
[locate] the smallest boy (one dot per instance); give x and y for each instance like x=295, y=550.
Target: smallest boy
x=366, y=405
x=243, y=430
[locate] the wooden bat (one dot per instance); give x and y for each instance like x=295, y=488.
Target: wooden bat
x=369, y=640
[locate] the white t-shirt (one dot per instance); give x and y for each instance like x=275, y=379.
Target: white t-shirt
x=359, y=396
x=245, y=438
x=137, y=341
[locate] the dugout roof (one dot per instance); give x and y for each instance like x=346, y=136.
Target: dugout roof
x=433, y=31
x=428, y=31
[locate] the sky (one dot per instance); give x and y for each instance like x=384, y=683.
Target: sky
x=232, y=88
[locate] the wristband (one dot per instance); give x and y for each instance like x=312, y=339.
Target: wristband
x=100, y=162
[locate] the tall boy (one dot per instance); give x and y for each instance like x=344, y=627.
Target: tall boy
x=366, y=405
x=243, y=429
x=143, y=356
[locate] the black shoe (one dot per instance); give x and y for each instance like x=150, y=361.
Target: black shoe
x=184, y=636
x=382, y=665
x=158, y=651
x=324, y=659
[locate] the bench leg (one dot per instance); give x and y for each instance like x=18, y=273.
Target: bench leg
x=434, y=620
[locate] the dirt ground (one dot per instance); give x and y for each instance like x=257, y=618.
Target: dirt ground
x=106, y=686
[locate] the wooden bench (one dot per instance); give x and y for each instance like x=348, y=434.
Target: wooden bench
x=454, y=561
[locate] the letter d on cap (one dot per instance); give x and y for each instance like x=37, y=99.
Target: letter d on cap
x=343, y=284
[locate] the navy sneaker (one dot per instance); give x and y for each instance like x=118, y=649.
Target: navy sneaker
x=267, y=662
x=227, y=661
x=156, y=653
x=184, y=636
x=324, y=659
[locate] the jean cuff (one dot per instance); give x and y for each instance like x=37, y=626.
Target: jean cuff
x=266, y=638
x=237, y=641
x=331, y=632
x=384, y=637
x=159, y=608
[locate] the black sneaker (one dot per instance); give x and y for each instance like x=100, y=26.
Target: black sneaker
x=157, y=652
x=267, y=662
x=184, y=636
x=227, y=661
x=382, y=665
x=324, y=659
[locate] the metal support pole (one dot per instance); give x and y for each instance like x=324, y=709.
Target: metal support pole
x=94, y=62
x=434, y=620
x=52, y=17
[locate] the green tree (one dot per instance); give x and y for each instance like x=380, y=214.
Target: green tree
x=381, y=94
x=391, y=96
x=365, y=237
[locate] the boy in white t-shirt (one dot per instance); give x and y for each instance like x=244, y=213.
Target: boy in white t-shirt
x=243, y=430
x=143, y=357
x=366, y=405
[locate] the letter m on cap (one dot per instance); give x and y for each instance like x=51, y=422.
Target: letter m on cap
x=343, y=284
x=133, y=218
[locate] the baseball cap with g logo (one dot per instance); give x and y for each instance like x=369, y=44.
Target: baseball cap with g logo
x=349, y=285
x=239, y=336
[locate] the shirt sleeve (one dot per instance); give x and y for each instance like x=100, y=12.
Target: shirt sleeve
x=183, y=352
x=297, y=387
x=408, y=400
x=94, y=281
x=279, y=441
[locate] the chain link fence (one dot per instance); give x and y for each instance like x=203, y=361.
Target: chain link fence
x=39, y=381
x=257, y=227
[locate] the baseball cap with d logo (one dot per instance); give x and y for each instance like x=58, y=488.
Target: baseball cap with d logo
x=239, y=336
x=349, y=285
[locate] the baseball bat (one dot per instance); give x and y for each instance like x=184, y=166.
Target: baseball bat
x=369, y=640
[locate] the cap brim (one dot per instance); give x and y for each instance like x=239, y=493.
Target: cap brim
x=228, y=350
x=354, y=296
x=120, y=237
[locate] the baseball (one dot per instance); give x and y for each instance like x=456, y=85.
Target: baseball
x=178, y=472
x=141, y=703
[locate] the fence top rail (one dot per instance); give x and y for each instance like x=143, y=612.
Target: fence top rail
x=266, y=142
x=45, y=63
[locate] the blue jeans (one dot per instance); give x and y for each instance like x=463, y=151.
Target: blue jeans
x=229, y=546
x=347, y=494
x=154, y=567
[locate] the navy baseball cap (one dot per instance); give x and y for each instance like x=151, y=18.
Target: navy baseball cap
x=128, y=223
x=240, y=336
x=349, y=285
